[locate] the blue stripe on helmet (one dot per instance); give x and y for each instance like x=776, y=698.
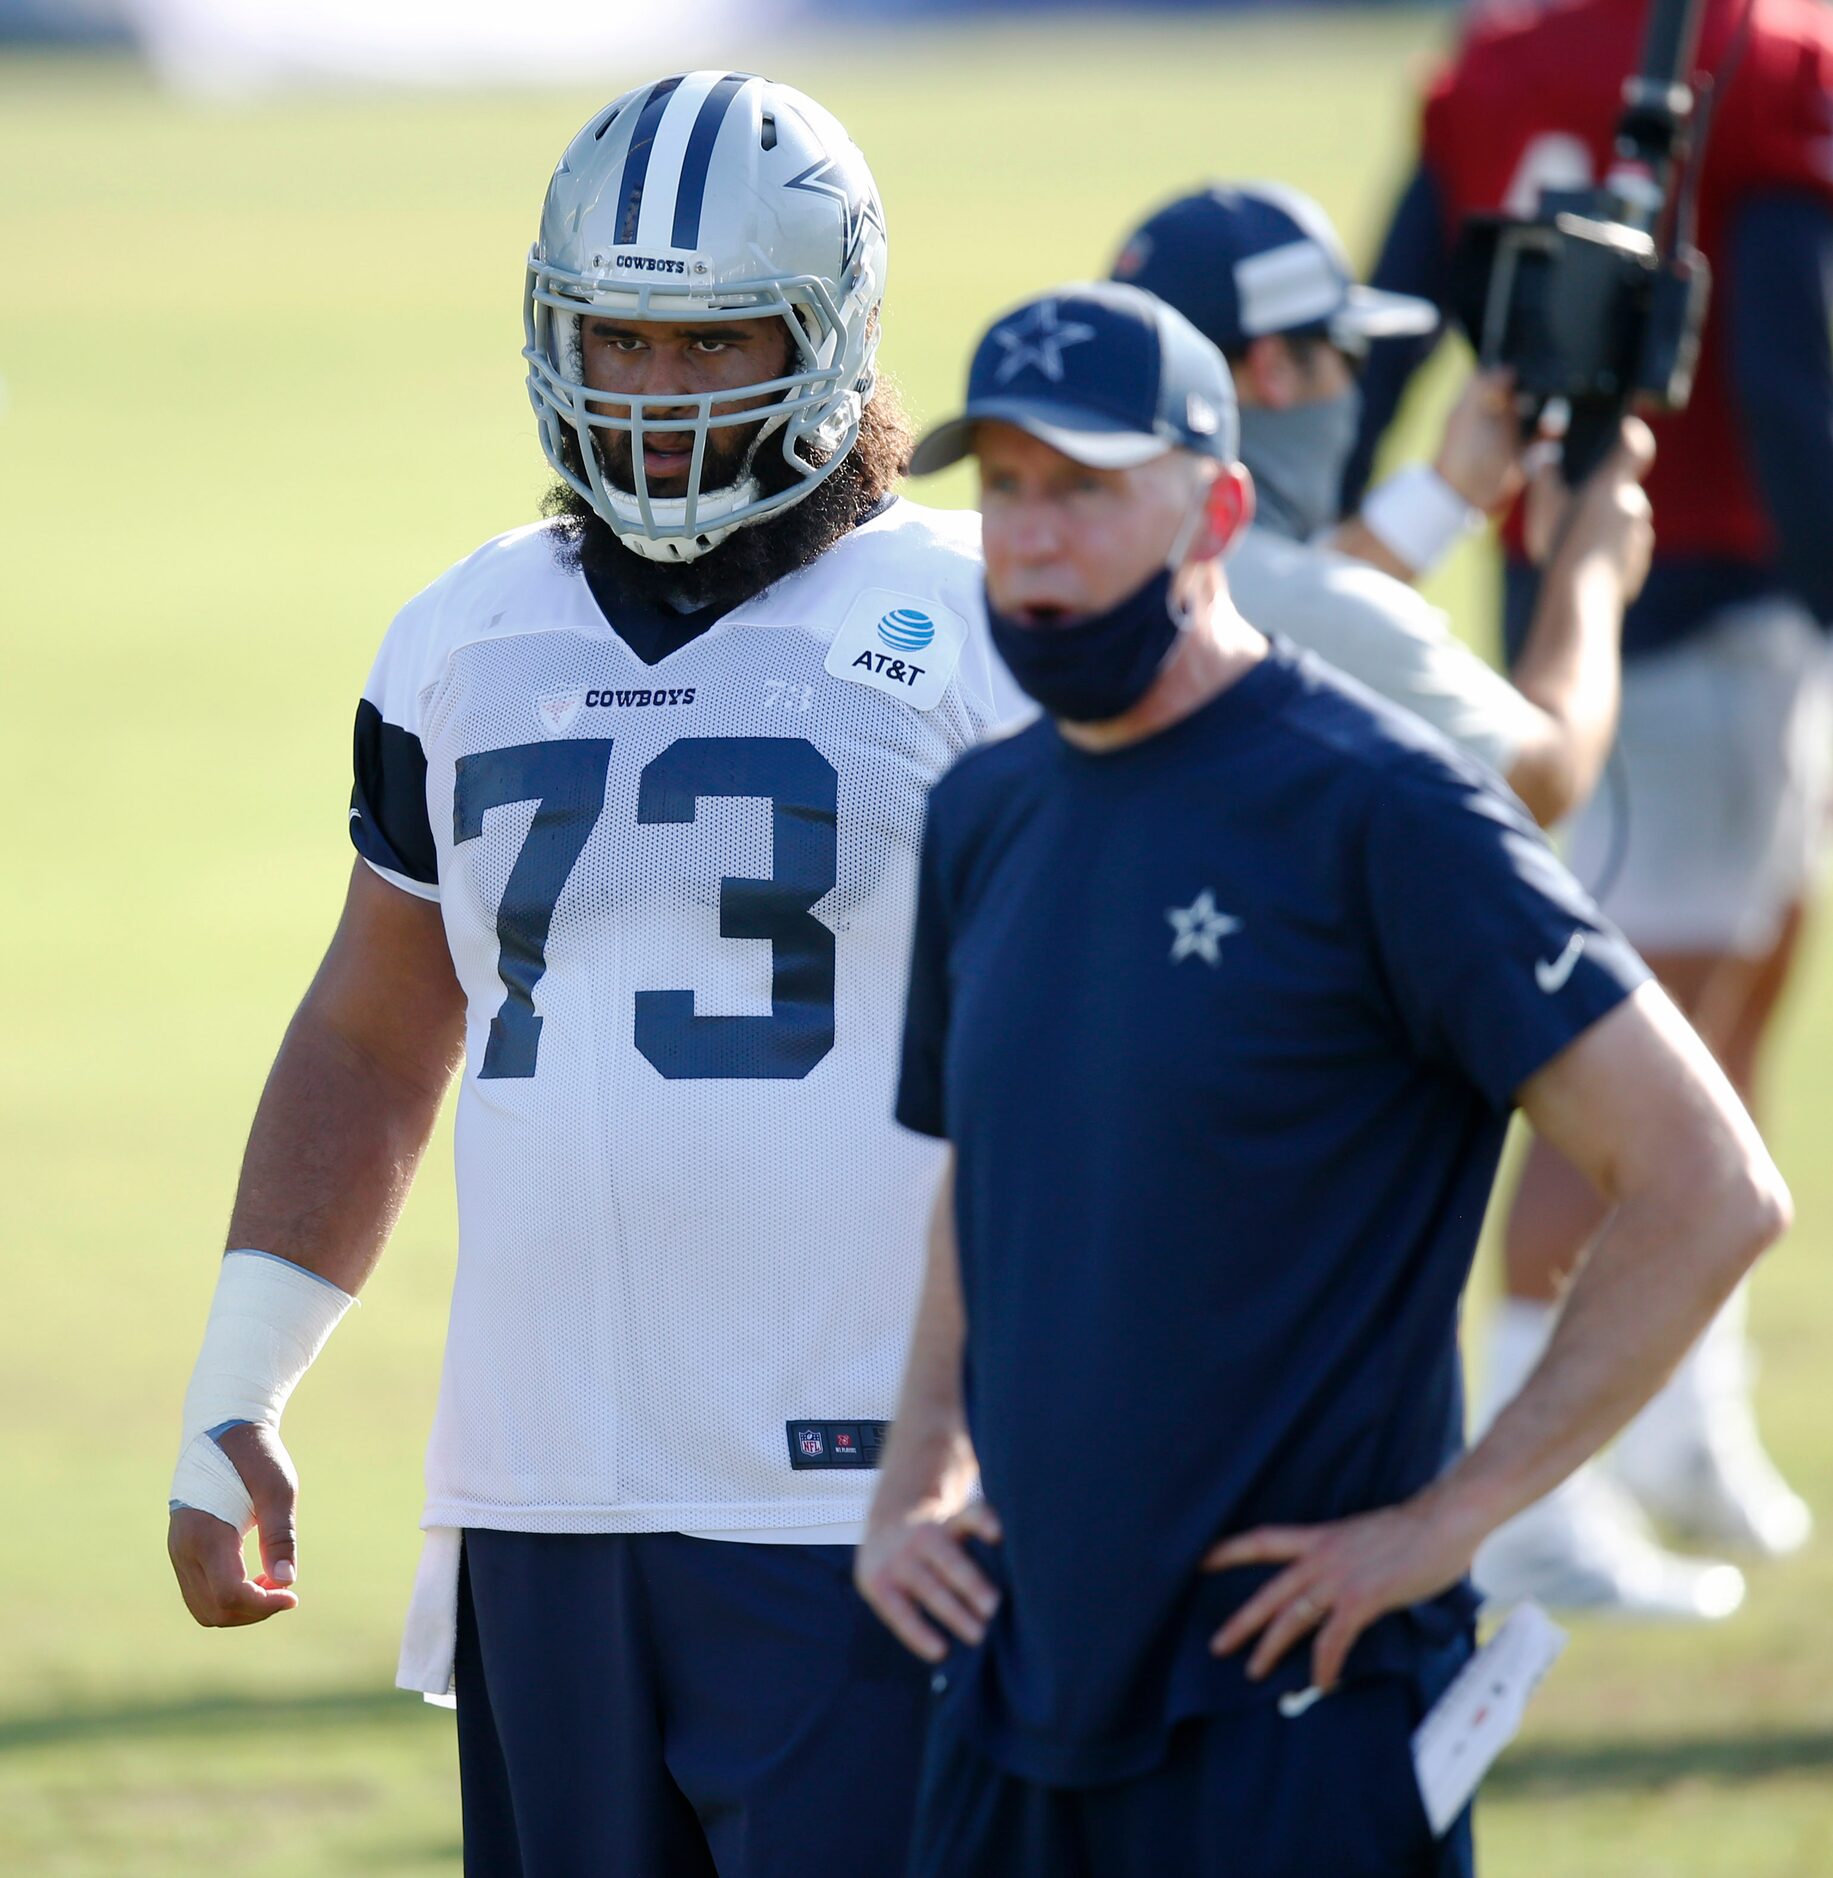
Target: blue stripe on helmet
x=690, y=195
x=636, y=160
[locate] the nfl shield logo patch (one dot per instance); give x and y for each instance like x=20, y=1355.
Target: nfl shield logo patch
x=809, y=1441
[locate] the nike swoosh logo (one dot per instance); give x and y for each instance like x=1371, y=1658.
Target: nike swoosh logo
x=1551, y=974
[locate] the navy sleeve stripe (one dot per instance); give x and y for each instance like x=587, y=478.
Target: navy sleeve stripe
x=388, y=819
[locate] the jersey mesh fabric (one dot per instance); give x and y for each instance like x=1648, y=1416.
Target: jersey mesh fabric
x=669, y=1246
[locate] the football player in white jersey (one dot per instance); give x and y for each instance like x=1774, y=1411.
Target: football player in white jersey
x=638, y=797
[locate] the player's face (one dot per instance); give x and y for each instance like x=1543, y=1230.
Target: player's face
x=662, y=359
x=1062, y=540
x=1283, y=376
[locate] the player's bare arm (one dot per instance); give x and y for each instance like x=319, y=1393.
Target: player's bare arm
x=1640, y=1106
x=911, y=1566
x=1594, y=544
x=339, y=1130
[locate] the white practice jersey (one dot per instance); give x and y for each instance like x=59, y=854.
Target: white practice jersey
x=678, y=898
x=1381, y=632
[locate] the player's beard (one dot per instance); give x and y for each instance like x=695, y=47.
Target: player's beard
x=758, y=553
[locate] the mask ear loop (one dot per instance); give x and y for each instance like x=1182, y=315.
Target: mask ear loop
x=1174, y=557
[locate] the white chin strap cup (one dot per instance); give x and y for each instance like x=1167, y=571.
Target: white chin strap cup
x=268, y=1320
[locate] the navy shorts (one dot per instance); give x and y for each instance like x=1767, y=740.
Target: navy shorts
x=652, y=1706
x=1249, y=1794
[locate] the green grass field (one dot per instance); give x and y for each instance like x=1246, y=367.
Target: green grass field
x=259, y=383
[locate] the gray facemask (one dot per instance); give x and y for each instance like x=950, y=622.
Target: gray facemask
x=1297, y=458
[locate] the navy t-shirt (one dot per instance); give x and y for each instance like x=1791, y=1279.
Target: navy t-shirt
x=1226, y=1027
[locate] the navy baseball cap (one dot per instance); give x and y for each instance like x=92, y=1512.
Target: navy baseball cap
x=1104, y=373
x=1241, y=261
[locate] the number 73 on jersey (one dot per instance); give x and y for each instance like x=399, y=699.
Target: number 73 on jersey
x=566, y=781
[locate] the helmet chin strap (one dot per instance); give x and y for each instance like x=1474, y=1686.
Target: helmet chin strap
x=741, y=489
x=684, y=547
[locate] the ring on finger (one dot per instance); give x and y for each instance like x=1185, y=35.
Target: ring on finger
x=1307, y=1608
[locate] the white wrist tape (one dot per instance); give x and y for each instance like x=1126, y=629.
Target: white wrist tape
x=1418, y=517
x=268, y=1320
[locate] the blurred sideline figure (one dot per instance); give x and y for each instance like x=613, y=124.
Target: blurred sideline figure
x=638, y=797
x=1226, y=977
x=1708, y=847
x=1260, y=272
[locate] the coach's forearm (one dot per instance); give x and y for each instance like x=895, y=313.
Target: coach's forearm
x=929, y=1461
x=335, y=1142
x=1653, y=1279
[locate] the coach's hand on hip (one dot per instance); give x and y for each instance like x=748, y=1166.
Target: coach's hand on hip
x=206, y=1552
x=1339, y=1578
x=916, y=1568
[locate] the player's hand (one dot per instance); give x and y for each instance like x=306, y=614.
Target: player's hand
x=1482, y=452
x=206, y=1553
x=1606, y=518
x=915, y=1569
x=1338, y=1579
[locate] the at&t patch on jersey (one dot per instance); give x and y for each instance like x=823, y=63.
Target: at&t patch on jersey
x=905, y=648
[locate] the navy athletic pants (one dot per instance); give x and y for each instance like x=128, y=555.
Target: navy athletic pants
x=652, y=1706
x=1249, y=1794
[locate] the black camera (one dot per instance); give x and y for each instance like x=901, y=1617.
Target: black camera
x=1598, y=299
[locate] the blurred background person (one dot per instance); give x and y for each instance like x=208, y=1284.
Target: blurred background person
x=1705, y=847
x=1259, y=271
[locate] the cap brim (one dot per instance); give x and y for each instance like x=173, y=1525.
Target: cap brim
x=1369, y=313
x=1099, y=442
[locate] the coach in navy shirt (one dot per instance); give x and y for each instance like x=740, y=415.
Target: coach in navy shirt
x=1226, y=977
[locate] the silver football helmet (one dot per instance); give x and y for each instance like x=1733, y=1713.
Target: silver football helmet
x=707, y=196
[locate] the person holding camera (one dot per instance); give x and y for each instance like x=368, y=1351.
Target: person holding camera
x=1225, y=979
x=1705, y=847
x=1259, y=270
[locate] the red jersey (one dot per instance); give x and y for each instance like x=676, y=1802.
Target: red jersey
x=1531, y=100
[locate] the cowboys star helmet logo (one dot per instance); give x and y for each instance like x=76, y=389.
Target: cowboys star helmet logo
x=859, y=208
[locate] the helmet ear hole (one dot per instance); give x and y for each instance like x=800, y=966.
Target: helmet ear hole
x=767, y=137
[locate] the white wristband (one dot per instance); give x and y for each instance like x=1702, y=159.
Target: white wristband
x=268, y=1320
x=1418, y=517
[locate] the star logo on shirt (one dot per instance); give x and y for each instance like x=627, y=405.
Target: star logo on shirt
x=1041, y=340
x=1200, y=929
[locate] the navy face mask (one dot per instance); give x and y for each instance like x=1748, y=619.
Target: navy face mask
x=1101, y=666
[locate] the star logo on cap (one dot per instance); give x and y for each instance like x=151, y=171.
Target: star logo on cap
x=1040, y=339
